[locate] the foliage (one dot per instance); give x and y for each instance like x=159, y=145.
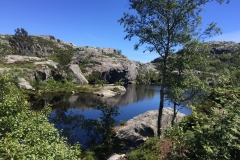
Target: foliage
x=27, y=134
x=57, y=86
x=149, y=77
x=119, y=51
x=19, y=64
x=184, y=84
x=94, y=77
x=119, y=83
x=122, y=123
x=212, y=130
x=163, y=26
x=21, y=40
x=64, y=58
x=116, y=89
x=84, y=63
x=150, y=150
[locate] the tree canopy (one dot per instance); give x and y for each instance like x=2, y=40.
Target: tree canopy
x=164, y=25
x=21, y=40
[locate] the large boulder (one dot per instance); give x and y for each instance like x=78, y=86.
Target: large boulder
x=138, y=129
x=78, y=77
x=24, y=84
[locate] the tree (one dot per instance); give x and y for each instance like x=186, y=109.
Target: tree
x=164, y=25
x=21, y=40
x=184, y=83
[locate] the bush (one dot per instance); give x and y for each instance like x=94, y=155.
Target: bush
x=150, y=150
x=94, y=77
x=123, y=123
x=27, y=134
x=211, y=131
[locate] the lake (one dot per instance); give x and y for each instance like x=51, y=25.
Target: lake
x=137, y=100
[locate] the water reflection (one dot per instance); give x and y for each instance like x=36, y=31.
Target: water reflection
x=134, y=93
x=89, y=132
x=84, y=120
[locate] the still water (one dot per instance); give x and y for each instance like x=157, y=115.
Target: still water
x=137, y=100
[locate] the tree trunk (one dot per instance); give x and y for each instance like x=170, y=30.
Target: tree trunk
x=160, y=112
x=174, y=113
x=162, y=93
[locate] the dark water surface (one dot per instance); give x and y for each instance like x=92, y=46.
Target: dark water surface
x=137, y=100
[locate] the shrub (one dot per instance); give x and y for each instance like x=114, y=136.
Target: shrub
x=150, y=150
x=27, y=134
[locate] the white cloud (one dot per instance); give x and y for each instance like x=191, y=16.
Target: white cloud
x=232, y=36
x=93, y=37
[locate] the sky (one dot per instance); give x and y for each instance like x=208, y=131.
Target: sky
x=94, y=22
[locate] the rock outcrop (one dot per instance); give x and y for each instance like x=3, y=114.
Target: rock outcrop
x=220, y=47
x=112, y=66
x=78, y=78
x=139, y=128
x=40, y=68
x=110, y=91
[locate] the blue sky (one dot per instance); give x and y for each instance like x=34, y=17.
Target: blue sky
x=94, y=22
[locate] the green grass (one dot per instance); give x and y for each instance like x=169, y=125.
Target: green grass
x=52, y=86
x=18, y=64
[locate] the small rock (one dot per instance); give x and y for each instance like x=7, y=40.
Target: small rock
x=24, y=84
x=116, y=156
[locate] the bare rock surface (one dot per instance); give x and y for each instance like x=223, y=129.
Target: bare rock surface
x=78, y=77
x=116, y=156
x=138, y=129
x=48, y=62
x=110, y=91
x=14, y=58
x=112, y=66
x=221, y=47
x=24, y=84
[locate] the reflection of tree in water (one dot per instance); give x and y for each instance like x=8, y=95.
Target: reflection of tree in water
x=97, y=131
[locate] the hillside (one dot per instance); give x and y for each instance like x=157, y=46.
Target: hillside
x=44, y=58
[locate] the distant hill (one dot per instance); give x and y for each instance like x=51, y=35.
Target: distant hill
x=217, y=47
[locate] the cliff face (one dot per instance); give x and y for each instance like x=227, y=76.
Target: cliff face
x=48, y=57
x=113, y=66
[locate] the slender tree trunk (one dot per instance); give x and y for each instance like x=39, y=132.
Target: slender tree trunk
x=162, y=93
x=174, y=113
x=160, y=112
x=164, y=77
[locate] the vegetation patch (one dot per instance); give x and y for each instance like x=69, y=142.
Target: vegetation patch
x=150, y=150
x=19, y=64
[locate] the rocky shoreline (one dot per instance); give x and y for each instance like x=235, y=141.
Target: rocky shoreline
x=138, y=129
